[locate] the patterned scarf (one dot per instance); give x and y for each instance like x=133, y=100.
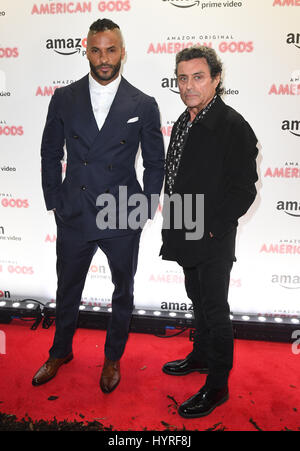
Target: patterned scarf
x=175, y=150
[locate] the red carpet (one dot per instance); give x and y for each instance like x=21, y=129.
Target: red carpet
x=264, y=384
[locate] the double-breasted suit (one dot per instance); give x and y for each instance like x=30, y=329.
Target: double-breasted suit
x=98, y=162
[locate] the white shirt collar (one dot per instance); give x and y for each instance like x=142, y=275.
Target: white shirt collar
x=110, y=88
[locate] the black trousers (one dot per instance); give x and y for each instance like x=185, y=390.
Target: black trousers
x=207, y=286
x=74, y=258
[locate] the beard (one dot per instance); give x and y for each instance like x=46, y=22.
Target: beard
x=109, y=76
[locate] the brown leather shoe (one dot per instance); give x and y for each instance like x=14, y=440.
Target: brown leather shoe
x=49, y=370
x=110, y=376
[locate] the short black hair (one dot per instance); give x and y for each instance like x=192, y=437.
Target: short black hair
x=103, y=25
x=201, y=51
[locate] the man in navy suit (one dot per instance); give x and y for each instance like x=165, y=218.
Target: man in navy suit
x=102, y=120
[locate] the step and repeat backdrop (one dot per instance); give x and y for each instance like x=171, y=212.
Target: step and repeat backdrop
x=43, y=47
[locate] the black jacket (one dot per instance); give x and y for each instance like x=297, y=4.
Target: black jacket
x=219, y=161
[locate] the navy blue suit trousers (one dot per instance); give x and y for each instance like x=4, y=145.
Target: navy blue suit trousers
x=74, y=256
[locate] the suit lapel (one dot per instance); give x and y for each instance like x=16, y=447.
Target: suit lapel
x=84, y=120
x=123, y=106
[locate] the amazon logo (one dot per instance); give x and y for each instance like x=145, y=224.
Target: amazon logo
x=291, y=208
x=171, y=84
x=67, y=47
x=292, y=126
x=184, y=3
x=293, y=38
x=287, y=281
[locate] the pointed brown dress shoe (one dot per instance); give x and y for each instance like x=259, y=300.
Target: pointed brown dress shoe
x=110, y=376
x=49, y=369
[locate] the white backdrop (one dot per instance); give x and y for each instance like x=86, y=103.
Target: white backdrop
x=42, y=46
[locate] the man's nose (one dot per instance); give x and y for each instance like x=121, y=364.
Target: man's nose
x=190, y=84
x=104, y=57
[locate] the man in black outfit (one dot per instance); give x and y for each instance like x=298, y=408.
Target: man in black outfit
x=212, y=152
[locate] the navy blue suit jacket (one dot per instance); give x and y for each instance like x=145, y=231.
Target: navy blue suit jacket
x=98, y=161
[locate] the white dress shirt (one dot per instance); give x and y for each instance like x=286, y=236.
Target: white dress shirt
x=102, y=97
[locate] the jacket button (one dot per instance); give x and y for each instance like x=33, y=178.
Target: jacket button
x=85, y=163
x=75, y=136
x=123, y=141
x=110, y=167
x=83, y=188
x=107, y=190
